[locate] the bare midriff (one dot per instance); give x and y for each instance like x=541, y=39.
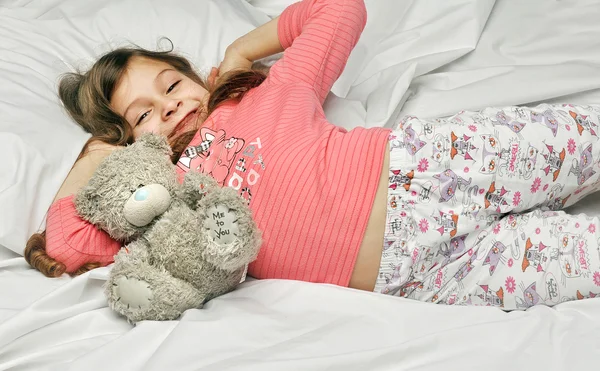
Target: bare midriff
x=368, y=260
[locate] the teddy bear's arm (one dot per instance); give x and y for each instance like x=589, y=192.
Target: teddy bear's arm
x=140, y=291
x=195, y=187
x=233, y=240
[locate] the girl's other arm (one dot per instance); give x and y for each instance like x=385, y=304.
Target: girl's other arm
x=84, y=168
x=257, y=44
x=318, y=37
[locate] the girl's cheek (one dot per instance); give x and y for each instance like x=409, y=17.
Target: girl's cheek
x=138, y=132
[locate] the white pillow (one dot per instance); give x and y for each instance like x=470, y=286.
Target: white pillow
x=40, y=40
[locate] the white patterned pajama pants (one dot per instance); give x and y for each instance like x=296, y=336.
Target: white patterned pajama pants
x=474, y=208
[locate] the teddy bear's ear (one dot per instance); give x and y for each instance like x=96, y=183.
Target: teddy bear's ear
x=155, y=141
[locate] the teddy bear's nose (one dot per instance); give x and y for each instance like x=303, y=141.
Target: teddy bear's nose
x=141, y=194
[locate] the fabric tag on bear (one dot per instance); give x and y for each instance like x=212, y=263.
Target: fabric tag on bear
x=244, y=274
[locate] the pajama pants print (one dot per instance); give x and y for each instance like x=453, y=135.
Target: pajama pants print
x=474, y=208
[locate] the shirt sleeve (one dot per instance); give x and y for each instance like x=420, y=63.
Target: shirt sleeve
x=74, y=241
x=317, y=37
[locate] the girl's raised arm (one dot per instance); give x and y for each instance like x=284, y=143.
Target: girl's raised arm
x=317, y=37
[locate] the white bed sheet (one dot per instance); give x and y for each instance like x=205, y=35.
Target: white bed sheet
x=287, y=325
x=64, y=324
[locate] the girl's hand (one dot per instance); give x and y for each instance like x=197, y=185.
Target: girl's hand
x=212, y=77
x=232, y=61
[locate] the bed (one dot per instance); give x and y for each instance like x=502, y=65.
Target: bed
x=420, y=57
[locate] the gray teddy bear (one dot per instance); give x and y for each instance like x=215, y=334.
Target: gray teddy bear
x=185, y=243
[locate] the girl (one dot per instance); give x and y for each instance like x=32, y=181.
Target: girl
x=456, y=211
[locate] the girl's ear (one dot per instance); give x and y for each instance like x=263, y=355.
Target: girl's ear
x=155, y=141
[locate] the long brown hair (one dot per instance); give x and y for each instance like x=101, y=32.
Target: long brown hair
x=86, y=98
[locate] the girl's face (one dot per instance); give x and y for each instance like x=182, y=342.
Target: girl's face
x=155, y=97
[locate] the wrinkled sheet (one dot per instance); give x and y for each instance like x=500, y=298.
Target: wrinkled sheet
x=423, y=64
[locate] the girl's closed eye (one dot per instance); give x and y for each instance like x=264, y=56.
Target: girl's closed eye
x=142, y=117
x=173, y=86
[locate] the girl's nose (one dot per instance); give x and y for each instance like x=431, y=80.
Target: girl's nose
x=170, y=107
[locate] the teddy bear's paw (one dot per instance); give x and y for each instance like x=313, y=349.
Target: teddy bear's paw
x=132, y=292
x=222, y=224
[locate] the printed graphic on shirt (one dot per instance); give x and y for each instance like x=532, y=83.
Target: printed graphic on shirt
x=247, y=169
x=225, y=159
x=214, y=155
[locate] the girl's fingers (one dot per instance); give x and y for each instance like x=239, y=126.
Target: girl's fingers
x=214, y=72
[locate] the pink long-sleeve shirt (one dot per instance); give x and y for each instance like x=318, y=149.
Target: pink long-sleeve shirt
x=310, y=184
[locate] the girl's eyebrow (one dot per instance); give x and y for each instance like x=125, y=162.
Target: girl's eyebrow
x=161, y=73
x=156, y=79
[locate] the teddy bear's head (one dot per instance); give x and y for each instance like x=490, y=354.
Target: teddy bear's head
x=130, y=188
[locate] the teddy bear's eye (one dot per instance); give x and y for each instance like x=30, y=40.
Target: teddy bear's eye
x=134, y=189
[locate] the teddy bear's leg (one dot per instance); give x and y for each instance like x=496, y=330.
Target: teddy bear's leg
x=140, y=291
x=232, y=237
